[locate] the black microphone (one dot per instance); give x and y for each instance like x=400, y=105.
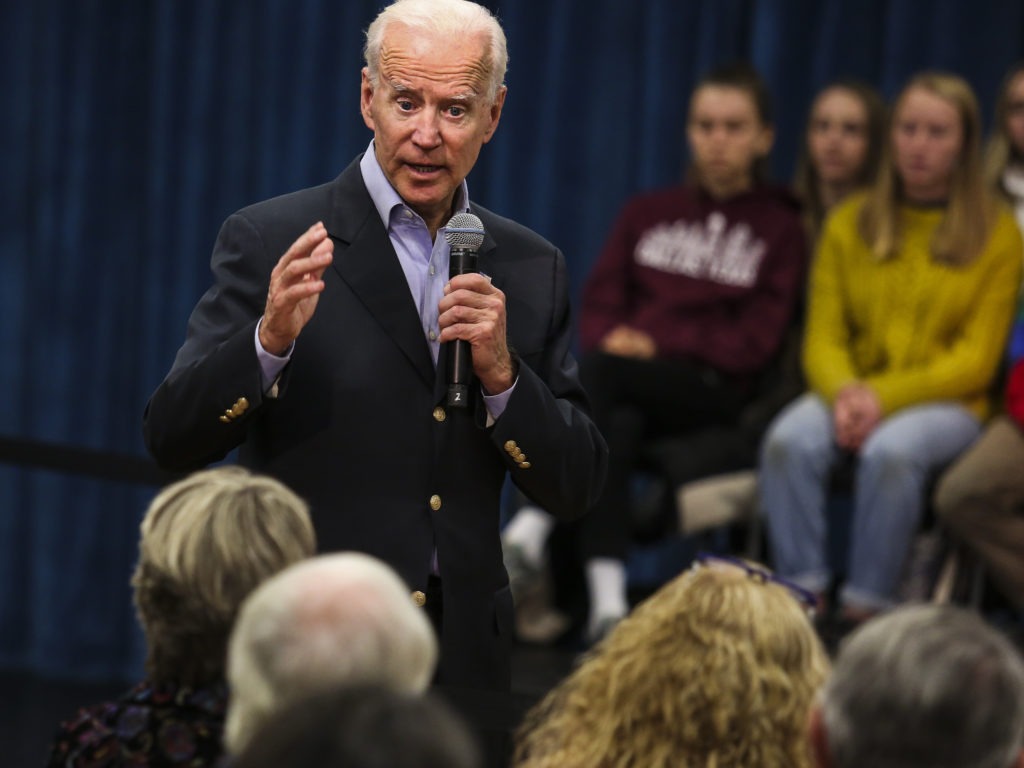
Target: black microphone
x=464, y=233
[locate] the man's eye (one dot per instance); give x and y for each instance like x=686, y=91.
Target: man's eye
x=405, y=105
x=456, y=111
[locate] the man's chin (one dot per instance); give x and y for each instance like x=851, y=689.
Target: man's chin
x=425, y=204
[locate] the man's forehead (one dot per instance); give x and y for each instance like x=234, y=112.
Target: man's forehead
x=408, y=57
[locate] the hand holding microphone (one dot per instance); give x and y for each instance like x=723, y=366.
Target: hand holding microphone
x=472, y=317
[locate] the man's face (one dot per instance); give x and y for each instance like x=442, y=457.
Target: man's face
x=430, y=116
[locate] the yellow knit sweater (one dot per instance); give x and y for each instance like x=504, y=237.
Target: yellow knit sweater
x=914, y=330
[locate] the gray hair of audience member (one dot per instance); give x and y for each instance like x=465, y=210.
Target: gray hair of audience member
x=926, y=686
x=363, y=727
x=339, y=619
x=206, y=542
x=454, y=18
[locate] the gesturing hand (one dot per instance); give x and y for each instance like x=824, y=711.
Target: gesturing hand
x=474, y=310
x=295, y=286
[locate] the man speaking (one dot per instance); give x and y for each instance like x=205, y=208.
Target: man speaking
x=321, y=349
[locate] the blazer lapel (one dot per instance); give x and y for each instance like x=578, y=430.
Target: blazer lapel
x=367, y=262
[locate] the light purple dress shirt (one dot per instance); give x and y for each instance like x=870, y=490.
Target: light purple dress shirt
x=425, y=265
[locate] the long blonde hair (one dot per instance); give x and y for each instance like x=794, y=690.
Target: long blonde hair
x=999, y=151
x=970, y=212
x=716, y=669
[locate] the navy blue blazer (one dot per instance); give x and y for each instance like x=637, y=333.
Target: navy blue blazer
x=359, y=427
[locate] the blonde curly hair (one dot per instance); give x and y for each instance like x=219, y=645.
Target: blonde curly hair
x=717, y=669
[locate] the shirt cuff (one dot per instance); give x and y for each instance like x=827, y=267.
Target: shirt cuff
x=270, y=365
x=496, y=404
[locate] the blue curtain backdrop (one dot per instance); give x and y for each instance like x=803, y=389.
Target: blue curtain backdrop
x=131, y=128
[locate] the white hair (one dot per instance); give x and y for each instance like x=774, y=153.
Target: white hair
x=927, y=686
x=339, y=619
x=454, y=18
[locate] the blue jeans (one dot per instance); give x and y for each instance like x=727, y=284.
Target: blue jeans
x=892, y=472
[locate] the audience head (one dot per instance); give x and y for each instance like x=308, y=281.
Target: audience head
x=730, y=130
x=719, y=667
x=842, y=147
x=925, y=686
x=933, y=158
x=936, y=137
x=339, y=619
x=363, y=727
x=1005, y=146
x=206, y=542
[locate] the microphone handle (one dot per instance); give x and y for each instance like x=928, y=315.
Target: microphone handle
x=460, y=357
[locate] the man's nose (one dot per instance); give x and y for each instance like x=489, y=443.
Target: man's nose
x=428, y=129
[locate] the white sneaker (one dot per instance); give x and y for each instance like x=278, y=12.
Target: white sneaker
x=600, y=628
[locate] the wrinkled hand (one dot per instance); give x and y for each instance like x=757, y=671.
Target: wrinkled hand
x=474, y=310
x=295, y=287
x=625, y=341
x=856, y=413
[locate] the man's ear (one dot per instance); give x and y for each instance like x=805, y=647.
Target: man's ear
x=819, y=739
x=366, y=99
x=494, y=113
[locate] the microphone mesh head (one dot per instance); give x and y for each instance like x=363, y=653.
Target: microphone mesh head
x=464, y=230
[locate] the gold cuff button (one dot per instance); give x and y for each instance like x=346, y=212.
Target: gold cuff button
x=435, y=502
x=510, y=445
x=439, y=414
x=419, y=599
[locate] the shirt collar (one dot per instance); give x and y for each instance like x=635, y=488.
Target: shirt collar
x=385, y=199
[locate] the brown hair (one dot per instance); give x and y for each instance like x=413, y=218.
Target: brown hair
x=806, y=181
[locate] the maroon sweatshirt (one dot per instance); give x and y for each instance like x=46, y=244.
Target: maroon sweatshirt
x=714, y=281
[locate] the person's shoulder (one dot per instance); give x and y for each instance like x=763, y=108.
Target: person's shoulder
x=86, y=736
x=658, y=199
x=777, y=200
x=846, y=212
x=1005, y=236
x=128, y=729
x=1005, y=216
x=777, y=195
